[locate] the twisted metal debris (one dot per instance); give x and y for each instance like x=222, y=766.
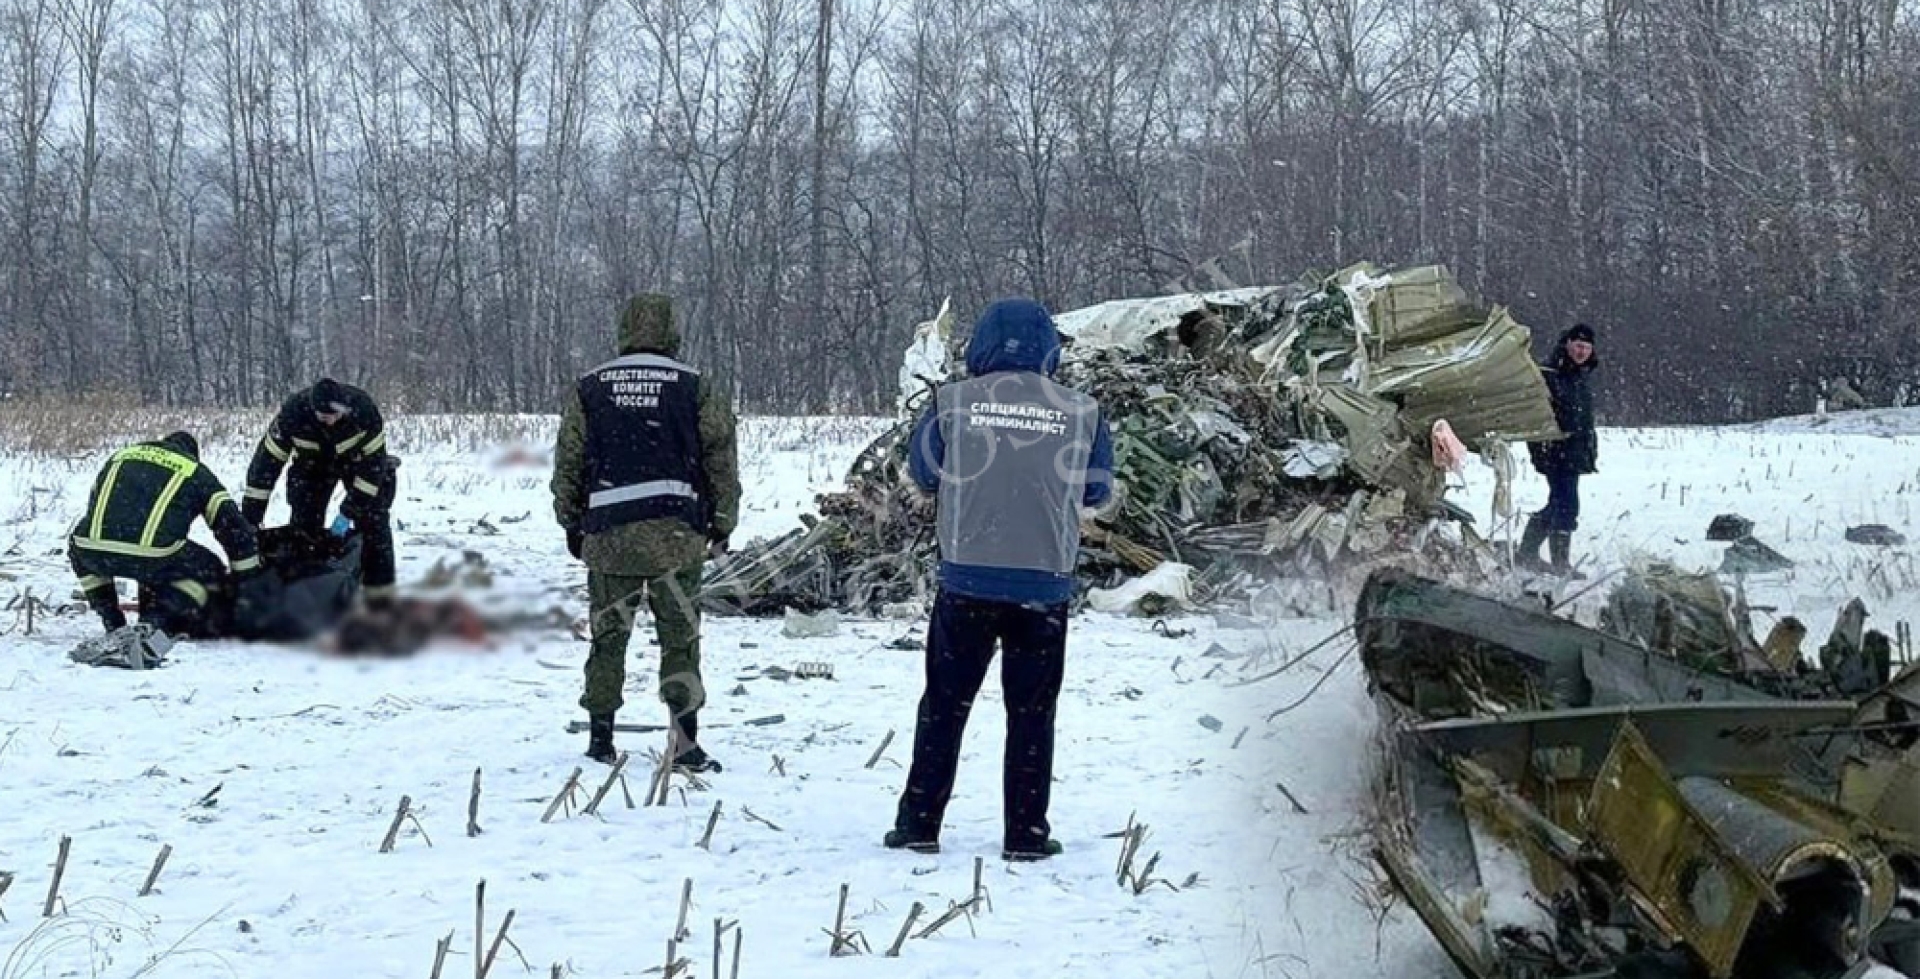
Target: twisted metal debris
x=1258, y=434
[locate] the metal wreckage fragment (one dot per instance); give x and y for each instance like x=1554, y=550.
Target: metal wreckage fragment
x=1257, y=433
x=1557, y=801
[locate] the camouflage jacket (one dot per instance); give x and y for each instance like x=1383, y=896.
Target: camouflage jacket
x=650, y=548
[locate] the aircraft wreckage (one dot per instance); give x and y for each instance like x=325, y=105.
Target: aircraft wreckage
x=1555, y=801
x=1282, y=431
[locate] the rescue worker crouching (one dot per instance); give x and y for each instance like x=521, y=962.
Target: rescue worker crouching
x=328, y=435
x=143, y=505
x=646, y=485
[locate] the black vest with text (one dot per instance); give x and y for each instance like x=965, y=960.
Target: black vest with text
x=643, y=443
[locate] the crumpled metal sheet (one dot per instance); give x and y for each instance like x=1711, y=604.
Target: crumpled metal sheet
x=1693, y=812
x=1300, y=410
x=1690, y=876
x=1128, y=325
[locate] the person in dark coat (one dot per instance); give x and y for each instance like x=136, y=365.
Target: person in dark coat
x=1012, y=456
x=1569, y=377
x=144, y=502
x=328, y=435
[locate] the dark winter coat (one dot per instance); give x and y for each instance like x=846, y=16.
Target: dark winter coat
x=145, y=501
x=1570, y=386
x=354, y=447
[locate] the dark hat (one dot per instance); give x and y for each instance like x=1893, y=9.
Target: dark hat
x=183, y=443
x=328, y=395
x=1580, y=331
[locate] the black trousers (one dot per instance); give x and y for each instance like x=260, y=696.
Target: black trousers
x=310, y=486
x=960, y=647
x=177, y=592
x=1562, y=512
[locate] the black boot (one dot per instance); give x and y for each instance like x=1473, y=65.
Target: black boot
x=105, y=603
x=693, y=759
x=1561, y=546
x=600, y=739
x=900, y=839
x=1527, y=555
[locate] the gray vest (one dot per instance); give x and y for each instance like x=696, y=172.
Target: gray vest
x=1015, y=472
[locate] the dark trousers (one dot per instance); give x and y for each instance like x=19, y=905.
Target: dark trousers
x=1561, y=515
x=310, y=487
x=960, y=646
x=176, y=591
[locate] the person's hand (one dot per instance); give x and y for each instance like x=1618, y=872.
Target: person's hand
x=574, y=541
x=717, y=548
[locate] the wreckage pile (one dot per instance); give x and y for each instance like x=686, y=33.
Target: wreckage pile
x=1661, y=799
x=1258, y=433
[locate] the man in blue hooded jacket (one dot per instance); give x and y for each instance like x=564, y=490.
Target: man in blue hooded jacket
x=1012, y=456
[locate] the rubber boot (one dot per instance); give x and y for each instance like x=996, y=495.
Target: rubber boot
x=600, y=739
x=694, y=758
x=1561, y=547
x=1527, y=555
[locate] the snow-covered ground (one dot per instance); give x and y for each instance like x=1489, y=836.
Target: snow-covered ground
x=1865, y=421
x=277, y=873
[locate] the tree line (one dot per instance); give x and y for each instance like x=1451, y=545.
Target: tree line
x=209, y=201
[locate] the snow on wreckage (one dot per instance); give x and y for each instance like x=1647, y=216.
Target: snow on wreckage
x=1259, y=434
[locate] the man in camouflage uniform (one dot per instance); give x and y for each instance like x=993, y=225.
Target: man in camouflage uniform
x=646, y=485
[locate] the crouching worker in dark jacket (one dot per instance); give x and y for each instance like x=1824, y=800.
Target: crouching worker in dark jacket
x=1569, y=377
x=142, y=507
x=646, y=484
x=1013, y=456
x=329, y=435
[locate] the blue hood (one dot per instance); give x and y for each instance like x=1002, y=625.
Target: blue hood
x=1014, y=335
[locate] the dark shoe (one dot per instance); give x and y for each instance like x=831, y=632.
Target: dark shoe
x=1561, y=545
x=899, y=839
x=1527, y=555
x=697, y=761
x=600, y=739
x=111, y=617
x=1050, y=848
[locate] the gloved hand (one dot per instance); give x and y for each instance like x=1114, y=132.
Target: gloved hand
x=253, y=510
x=574, y=541
x=717, y=547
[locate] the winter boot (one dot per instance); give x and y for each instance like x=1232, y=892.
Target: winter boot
x=900, y=839
x=1527, y=555
x=1561, y=546
x=600, y=739
x=105, y=603
x=693, y=759
x=1050, y=848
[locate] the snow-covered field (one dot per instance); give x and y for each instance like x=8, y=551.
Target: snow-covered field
x=277, y=873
